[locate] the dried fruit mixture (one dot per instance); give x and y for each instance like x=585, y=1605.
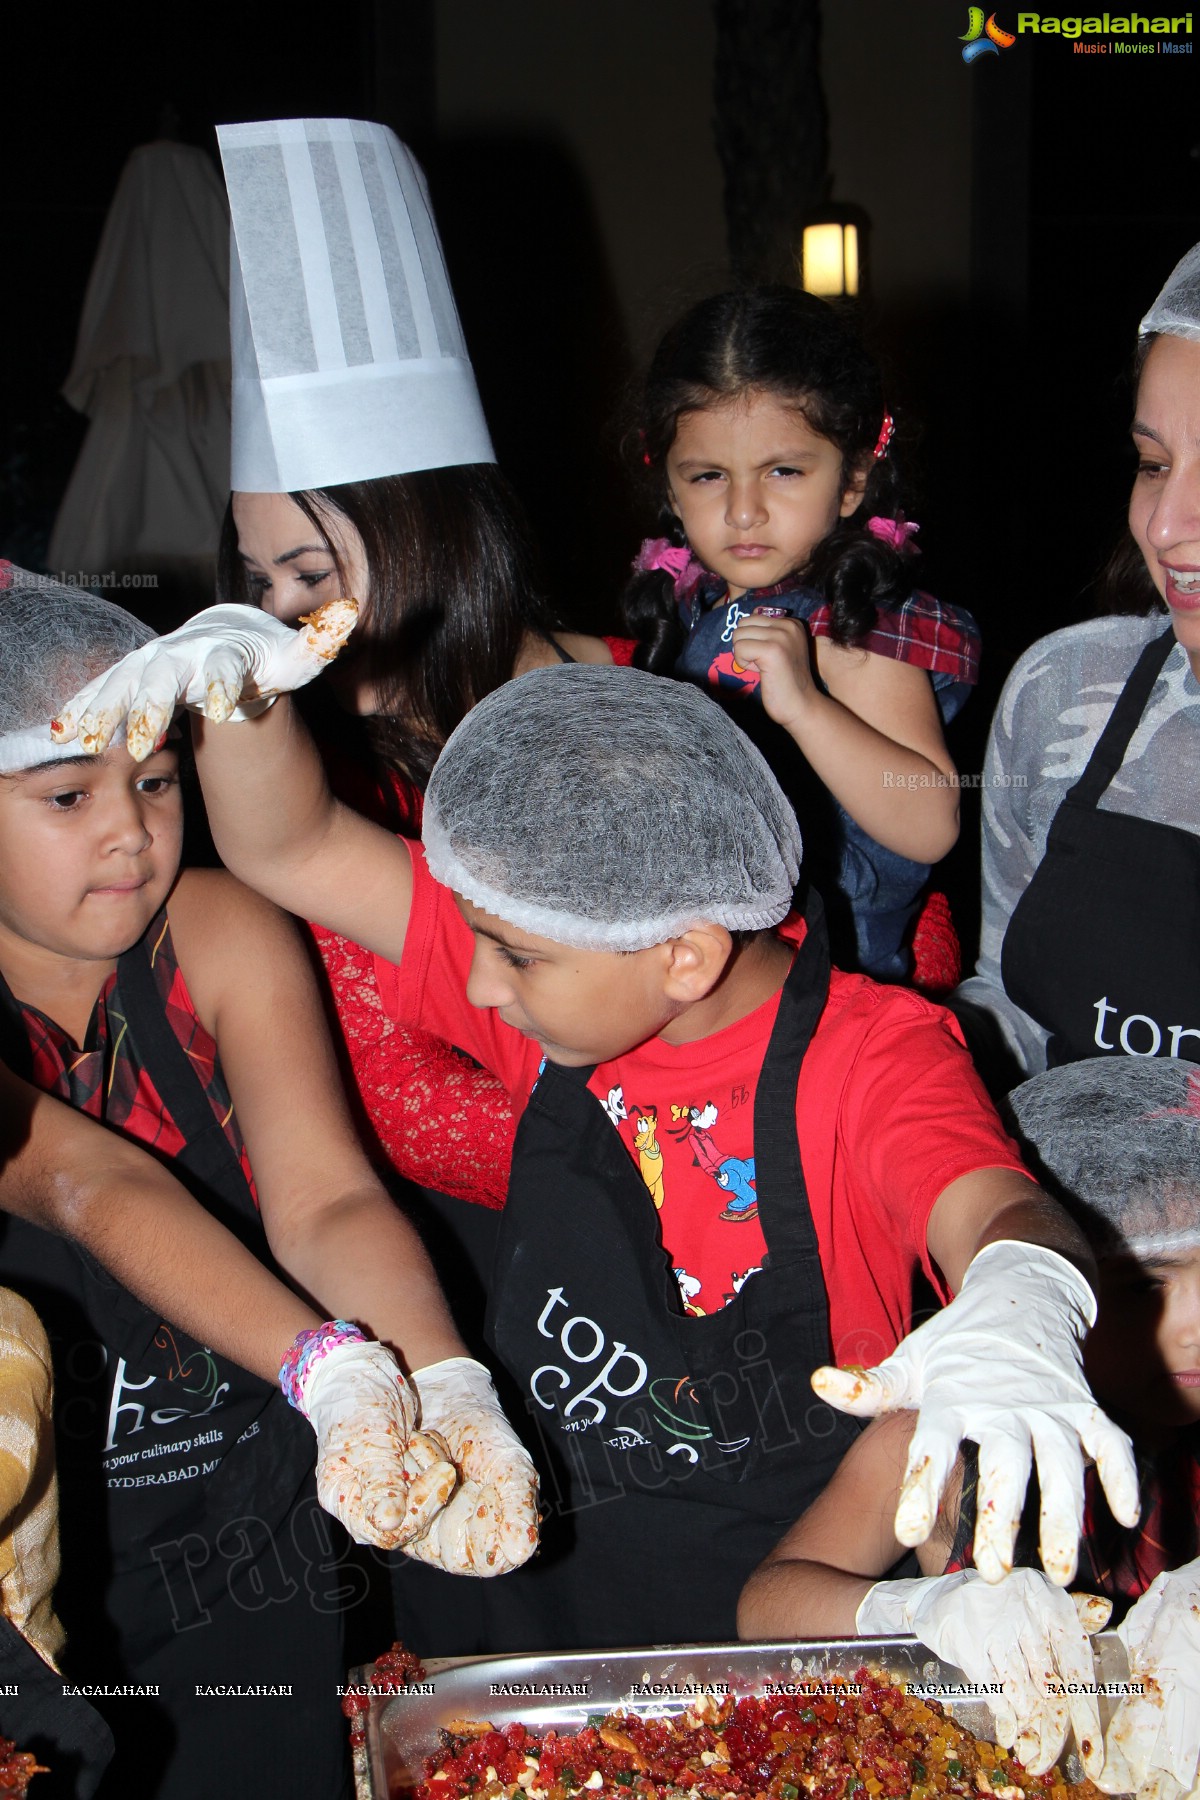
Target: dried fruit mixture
x=836, y=1739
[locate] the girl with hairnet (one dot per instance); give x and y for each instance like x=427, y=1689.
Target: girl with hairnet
x=602, y=913
x=142, y=1007
x=1091, y=812
x=1120, y=1141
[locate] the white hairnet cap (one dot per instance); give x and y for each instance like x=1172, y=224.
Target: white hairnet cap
x=609, y=809
x=1121, y=1137
x=53, y=639
x=349, y=361
x=1176, y=312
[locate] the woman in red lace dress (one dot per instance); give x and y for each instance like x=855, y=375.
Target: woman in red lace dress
x=442, y=564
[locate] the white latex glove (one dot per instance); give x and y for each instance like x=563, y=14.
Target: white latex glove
x=382, y=1478
x=1022, y=1632
x=491, y=1525
x=1153, y=1745
x=1002, y=1365
x=227, y=662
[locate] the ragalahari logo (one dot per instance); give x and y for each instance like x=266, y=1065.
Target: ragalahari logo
x=983, y=38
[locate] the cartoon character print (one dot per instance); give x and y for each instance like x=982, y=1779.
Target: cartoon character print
x=733, y=1174
x=689, y=1287
x=736, y=1176
x=693, y=1125
x=615, y=1107
x=724, y=671
x=739, y=1281
x=650, y=1156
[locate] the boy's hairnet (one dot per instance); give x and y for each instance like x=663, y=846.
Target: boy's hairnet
x=53, y=639
x=1176, y=312
x=609, y=809
x=1120, y=1136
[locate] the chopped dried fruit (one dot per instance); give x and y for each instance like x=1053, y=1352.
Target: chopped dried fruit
x=833, y=1739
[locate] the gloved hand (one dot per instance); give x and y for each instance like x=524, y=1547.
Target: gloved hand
x=1023, y=1632
x=228, y=662
x=1153, y=1746
x=1002, y=1364
x=491, y=1525
x=375, y=1472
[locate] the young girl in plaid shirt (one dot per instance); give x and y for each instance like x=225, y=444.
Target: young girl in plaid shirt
x=783, y=574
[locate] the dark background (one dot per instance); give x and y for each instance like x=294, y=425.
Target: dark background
x=1023, y=211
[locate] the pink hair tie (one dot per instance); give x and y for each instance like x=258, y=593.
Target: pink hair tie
x=661, y=553
x=675, y=560
x=896, y=533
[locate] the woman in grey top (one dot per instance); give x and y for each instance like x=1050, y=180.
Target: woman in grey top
x=1091, y=849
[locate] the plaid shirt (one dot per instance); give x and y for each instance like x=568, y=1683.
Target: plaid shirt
x=106, y=1080
x=929, y=633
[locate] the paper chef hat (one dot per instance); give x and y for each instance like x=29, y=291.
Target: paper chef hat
x=348, y=356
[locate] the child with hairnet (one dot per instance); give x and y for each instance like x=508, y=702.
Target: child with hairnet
x=144, y=1010
x=1119, y=1138
x=731, y=1160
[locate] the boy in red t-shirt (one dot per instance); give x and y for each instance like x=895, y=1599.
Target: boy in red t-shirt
x=603, y=916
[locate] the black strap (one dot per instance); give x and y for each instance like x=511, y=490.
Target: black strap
x=207, y=1152
x=263, y=1481
x=563, y=656
x=15, y=1049
x=783, y=1203
x=1113, y=741
x=132, y=1326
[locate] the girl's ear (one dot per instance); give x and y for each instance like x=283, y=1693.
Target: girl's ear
x=852, y=494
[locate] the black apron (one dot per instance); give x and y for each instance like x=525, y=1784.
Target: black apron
x=125, y=1383
x=1102, y=947
x=674, y=1450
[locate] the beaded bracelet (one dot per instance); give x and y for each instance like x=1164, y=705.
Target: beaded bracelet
x=310, y=1348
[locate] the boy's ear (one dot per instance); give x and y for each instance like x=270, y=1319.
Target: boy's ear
x=856, y=488
x=695, y=962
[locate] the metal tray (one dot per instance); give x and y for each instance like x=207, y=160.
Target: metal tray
x=560, y=1690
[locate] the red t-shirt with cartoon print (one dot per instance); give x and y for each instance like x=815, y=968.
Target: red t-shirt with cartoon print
x=889, y=1111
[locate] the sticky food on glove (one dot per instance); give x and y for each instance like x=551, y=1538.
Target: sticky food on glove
x=327, y=628
x=478, y=1534
x=392, y=1511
